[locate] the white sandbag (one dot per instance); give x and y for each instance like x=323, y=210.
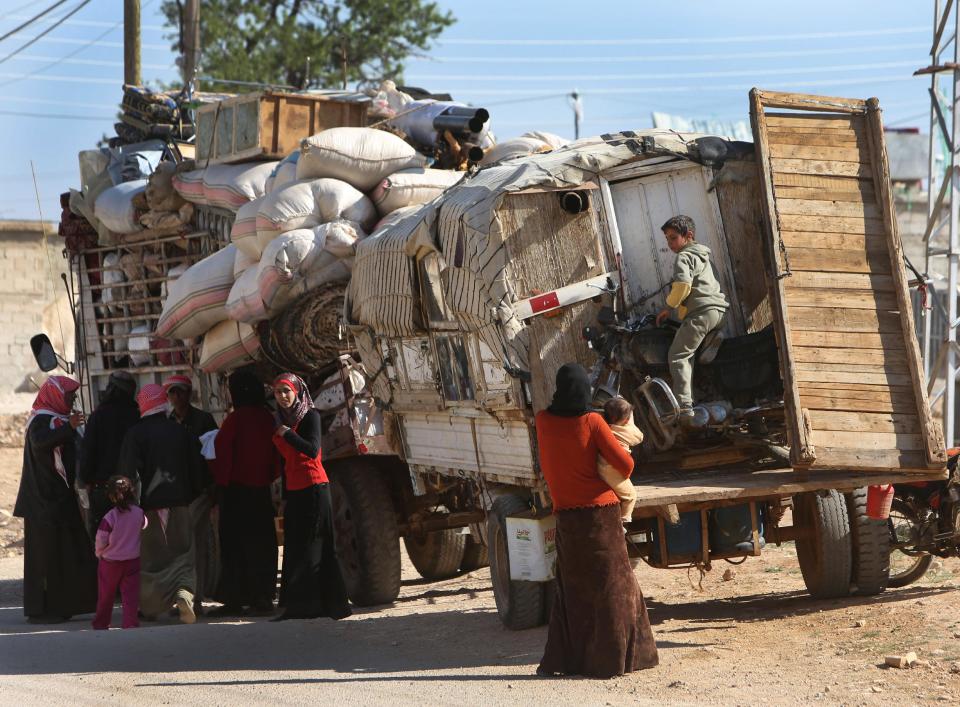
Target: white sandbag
x=111, y=274
x=189, y=185
x=230, y=186
x=358, y=156
x=555, y=141
x=227, y=346
x=197, y=298
x=244, y=303
x=172, y=274
x=243, y=233
x=242, y=262
x=517, y=147
x=309, y=203
x=410, y=187
x=139, y=345
x=339, y=237
x=114, y=207
x=284, y=173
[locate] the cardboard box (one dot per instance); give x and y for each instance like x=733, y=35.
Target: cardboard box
x=532, y=547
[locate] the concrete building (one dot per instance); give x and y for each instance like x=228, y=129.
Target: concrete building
x=33, y=299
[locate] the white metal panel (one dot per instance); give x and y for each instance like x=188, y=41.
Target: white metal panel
x=448, y=441
x=641, y=206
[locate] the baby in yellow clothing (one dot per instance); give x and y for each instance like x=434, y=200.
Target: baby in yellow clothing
x=619, y=415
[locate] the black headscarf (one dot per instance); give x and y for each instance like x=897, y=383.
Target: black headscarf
x=121, y=387
x=246, y=389
x=573, y=395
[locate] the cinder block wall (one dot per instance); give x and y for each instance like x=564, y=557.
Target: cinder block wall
x=31, y=292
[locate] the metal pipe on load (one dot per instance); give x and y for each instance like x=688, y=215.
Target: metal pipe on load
x=460, y=124
x=482, y=113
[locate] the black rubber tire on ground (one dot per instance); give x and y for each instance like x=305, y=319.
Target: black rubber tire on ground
x=367, y=538
x=823, y=547
x=520, y=604
x=475, y=555
x=436, y=554
x=921, y=563
x=870, y=545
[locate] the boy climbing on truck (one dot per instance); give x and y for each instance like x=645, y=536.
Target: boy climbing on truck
x=700, y=305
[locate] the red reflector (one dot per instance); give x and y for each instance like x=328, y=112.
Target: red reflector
x=362, y=448
x=544, y=302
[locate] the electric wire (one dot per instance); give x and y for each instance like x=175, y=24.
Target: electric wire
x=33, y=19
x=80, y=6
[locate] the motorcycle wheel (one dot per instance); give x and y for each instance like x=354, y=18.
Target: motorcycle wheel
x=904, y=525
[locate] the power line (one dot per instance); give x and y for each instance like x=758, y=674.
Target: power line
x=63, y=19
x=56, y=116
x=67, y=59
x=119, y=45
x=33, y=19
x=11, y=14
x=572, y=78
x=612, y=59
x=687, y=41
x=63, y=79
x=57, y=102
x=91, y=23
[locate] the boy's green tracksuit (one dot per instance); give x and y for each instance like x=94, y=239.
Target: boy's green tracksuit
x=695, y=294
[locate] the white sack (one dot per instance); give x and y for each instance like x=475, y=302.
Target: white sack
x=284, y=173
x=358, y=156
x=244, y=303
x=242, y=262
x=139, y=345
x=517, y=147
x=555, y=141
x=230, y=186
x=411, y=187
x=189, y=185
x=197, y=298
x=243, y=233
x=111, y=274
x=227, y=346
x=114, y=207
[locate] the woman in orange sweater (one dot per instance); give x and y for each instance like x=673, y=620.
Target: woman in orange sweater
x=599, y=625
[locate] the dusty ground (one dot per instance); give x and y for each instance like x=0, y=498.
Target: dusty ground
x=754, y=639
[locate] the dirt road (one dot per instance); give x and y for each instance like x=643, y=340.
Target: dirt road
x=755, y=639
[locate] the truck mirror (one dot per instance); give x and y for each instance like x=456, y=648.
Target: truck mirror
x=43, y=352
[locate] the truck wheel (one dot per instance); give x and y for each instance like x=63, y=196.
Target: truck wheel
x=520, y=604
x=870, y=543
x=823, y=548
x=475, y=555
x=366, y=534
x=436, y=554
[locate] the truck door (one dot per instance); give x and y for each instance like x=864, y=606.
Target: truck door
x=853, y=382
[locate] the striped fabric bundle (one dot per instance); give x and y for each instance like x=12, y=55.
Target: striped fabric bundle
x=230, y=186
x=229, y=345
x=189, y=185
x=197, y=298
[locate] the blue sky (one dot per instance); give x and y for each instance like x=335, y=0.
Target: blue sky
x=627, y=58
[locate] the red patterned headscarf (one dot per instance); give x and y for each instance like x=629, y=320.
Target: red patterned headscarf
x=178, y=382
x=152, y=399
x=292, y=415
x=52, y=398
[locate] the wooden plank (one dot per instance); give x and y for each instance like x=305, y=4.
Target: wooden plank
x=871, y=460
x=817, y=136
x=843, y=320
x=832, y=224
x=856, y=391
x=848, y=299
x=825, y=167
x=801, y=451
x=829, y=260
x=871, y=357
x=826, y=207
x=932, y=435
x=834, y=241
x=849, y=367
x=841, y=281
x=866, y=440
x=841, y=339
x=841, y=421
x=819, y=152
x=838, y=376
x=824, y=193
x=799, y=120
x=818, y=181
x=827, y=402
x=806, y=101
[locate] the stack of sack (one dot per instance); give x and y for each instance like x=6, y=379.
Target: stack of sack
x=292, y=244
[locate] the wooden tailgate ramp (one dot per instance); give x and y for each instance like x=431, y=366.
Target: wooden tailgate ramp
x=853, y=382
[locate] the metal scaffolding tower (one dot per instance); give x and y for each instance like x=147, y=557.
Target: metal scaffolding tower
x=944, y=181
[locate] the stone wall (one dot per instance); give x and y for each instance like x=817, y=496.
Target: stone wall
x=32, y=295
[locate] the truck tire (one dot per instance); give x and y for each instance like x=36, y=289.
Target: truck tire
x=520, y=604
x=436, y=554
x=475, y=555
x=870, y=543
x=365, y=529
x=823, y=548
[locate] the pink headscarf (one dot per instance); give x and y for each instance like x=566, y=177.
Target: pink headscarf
x=152, y=399
x=292, y=415
x=52, y=400
x=178, y=382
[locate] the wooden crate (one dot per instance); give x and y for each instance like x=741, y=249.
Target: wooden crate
x=269, y=125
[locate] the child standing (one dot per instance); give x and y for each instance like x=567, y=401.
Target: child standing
x=619, y=415
x=700, y=304
x=118, y=548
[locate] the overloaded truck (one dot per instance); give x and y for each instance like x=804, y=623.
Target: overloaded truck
x=459, y=311
x=462, y=312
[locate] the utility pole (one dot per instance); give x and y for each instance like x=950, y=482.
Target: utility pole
x=577, y=106
x=190, y=41
x=131, y=42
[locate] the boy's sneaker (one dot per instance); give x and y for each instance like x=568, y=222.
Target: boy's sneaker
x=185, y=607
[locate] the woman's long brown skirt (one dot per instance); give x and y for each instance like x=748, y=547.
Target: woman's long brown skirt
x=599, y=626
